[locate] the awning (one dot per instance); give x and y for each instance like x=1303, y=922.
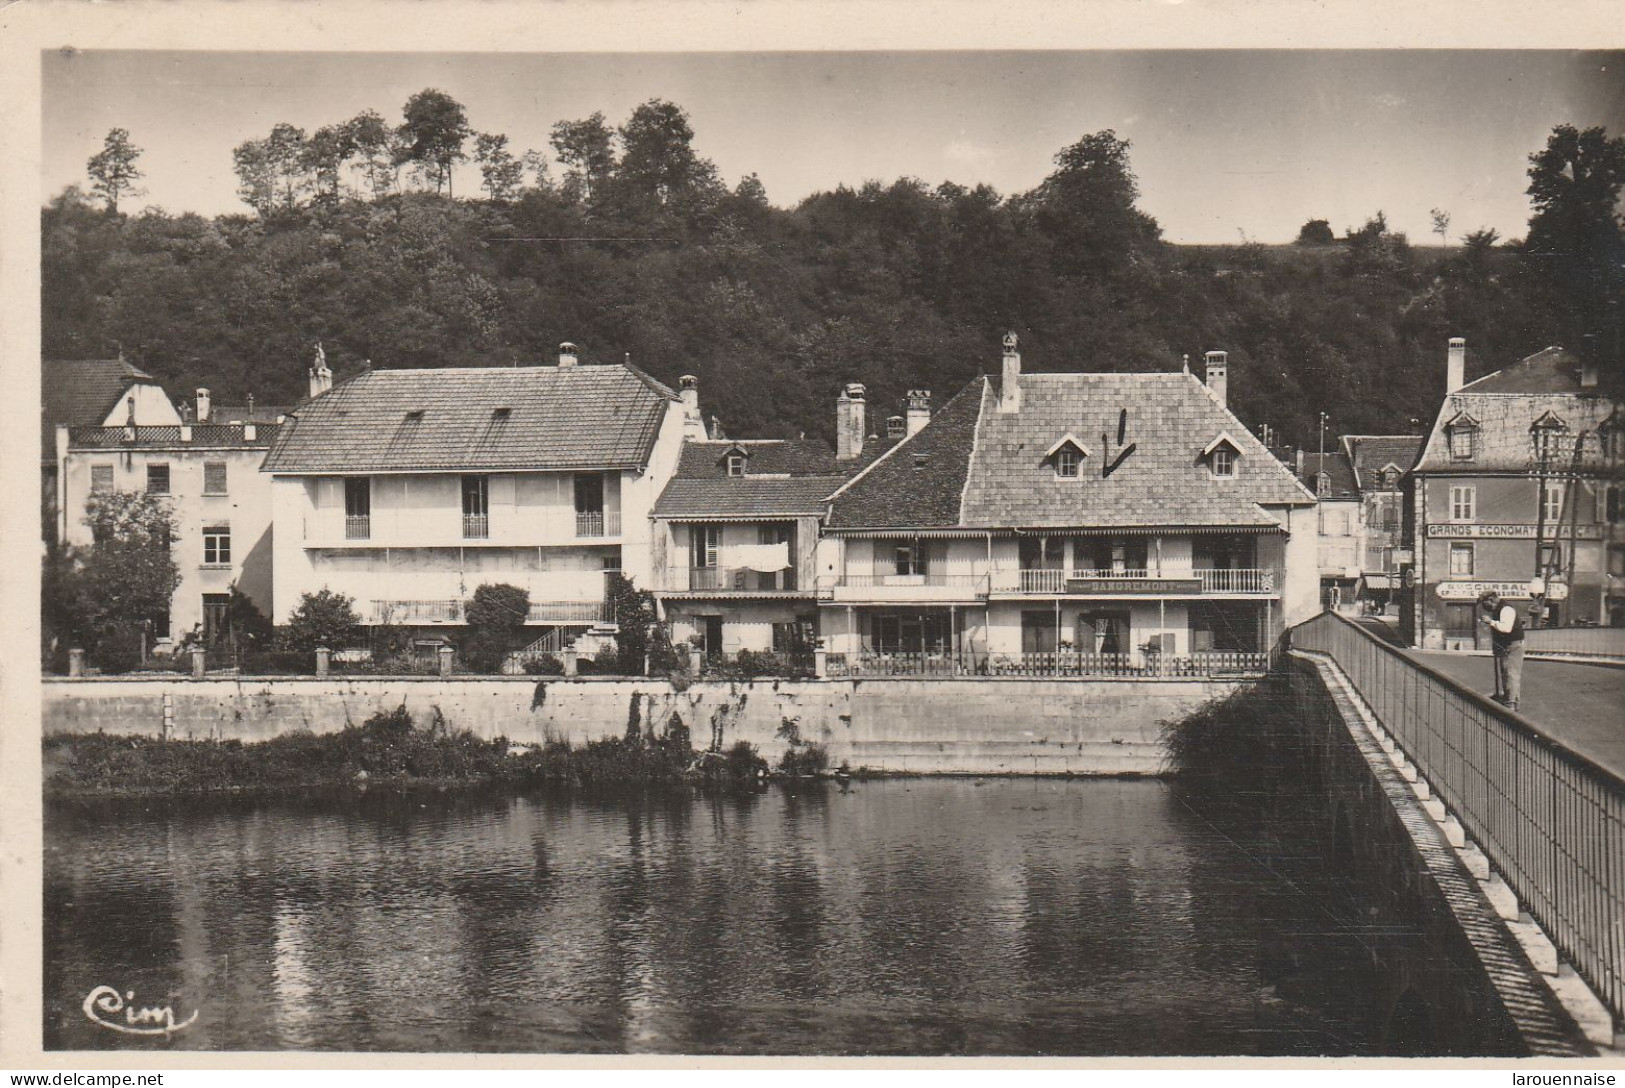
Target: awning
x=1382, y=582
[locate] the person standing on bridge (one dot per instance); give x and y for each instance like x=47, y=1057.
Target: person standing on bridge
x=1506, y=642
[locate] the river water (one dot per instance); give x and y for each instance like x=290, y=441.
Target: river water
x=1007, y=916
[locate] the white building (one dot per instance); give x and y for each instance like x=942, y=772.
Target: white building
x=1070, y=521
x=408, y=489
x=1340, y=526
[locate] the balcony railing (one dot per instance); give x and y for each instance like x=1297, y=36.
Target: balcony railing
x=1237, y=580
x=357, y=527
x=476, y=526
x=569, y=612
x=734, y=580
x=1144, y=666
x=869, y=581
x=594, y=523
x=411, y=612
x=1048, y=580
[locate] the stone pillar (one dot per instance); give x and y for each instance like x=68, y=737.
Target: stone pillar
x=446, y=654
x=199, y=662
x=820, y=662
x=696, y=660
x=324, y=660
x=76, y=662
x=568, y=657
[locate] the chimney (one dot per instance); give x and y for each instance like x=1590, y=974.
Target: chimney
x=321, y=378
x=250, y=432
x=567, y=355
x=896, y=427
x=919, y=410
x=1010, y=384
x=1588, y=361
x=693, y=421
x=1218, y=379
x=849, y=422
x=186, y=432
x=1300, y=464
x=1455, y=365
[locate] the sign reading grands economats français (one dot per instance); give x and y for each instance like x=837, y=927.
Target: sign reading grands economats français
x=1511, y=532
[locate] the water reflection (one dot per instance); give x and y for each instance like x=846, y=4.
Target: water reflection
x=927, y=917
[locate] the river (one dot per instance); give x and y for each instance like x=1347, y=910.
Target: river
x=997, y=917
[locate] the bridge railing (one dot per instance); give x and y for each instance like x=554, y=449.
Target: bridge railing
x=1550, y=820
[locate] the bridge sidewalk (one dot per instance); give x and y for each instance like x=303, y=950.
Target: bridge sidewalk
x=1580, y=705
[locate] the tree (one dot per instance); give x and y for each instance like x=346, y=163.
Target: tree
x=1376, y=251
x=586, y=149
x=495, y=615
x=636, y=622
x=432, y=135
x=658, y=159
x=1086, y=208
x=374, y=149
x=501, y=173
x=323, y=618
x=1441, y=224
x=273, y=171
x=323, y=157
x=1316, y=232
x=129, y=574
x=1576, y=240
x=113, y=172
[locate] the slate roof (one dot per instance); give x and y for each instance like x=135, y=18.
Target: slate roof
x=1504, y=404
x=204, y=436
x=987, y=469
x=260, y=413
x=784, y=478
x=81, y=393
x=449, y=419
x=1341, y=483
x=1370, y=453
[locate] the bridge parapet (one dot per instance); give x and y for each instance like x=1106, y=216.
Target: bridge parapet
x=1550, y=820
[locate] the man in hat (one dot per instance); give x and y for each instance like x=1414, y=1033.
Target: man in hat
x=1506, y=641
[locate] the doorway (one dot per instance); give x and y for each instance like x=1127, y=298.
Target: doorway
x=712, y=628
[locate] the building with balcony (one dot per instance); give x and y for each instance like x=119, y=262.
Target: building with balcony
x=209, y=474
x=1339, y=526
x=1379, y=463
x=1124, y=524
x=408, y=489
x=1519, y=478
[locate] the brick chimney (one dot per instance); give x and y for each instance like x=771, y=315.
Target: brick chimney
x=321, y=378
x=203, y=406
x=919, y=409
x=1010, y=379
x=849, y=422
x=1218, y=374
x=693, y=421
x=896, y=427
x=567, y=355
x=1455, y=365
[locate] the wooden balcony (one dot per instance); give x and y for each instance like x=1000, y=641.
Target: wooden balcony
x=726, y=580
x=922, y=588
x=598, y=523
x=1133, y=581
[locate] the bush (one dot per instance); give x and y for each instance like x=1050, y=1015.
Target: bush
x=546, y=665
x=117, y=649
x=323, y=618
x=276, y=663
x=806, y=761
x=496, y=616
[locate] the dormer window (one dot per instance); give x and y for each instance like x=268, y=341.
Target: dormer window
x=736, y=464
x=1390, y=478
x=1543, y=435
x=1611, y=437
x=1461, y=434
x=1323, y=483
x=1066, y=458
x=1221, y=455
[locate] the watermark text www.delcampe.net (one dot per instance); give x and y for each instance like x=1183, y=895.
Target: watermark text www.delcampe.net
x=89, y=1080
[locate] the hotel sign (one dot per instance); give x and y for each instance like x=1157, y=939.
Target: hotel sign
x=1134, y=585
x=1470, y=591
x=1511, y=532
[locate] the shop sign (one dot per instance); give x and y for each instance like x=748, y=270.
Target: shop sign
x=1512, y=532
x=1134, y=585
x=1471, y=591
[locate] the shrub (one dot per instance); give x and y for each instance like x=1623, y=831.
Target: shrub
x=323, y=618
x=496, y=616
x=804, y=761
x=276, y=663
x=546, y=665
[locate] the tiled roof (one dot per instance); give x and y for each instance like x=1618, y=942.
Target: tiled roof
x=476, y=418
x=793, y=456
x=1171, y=419
x=260, y=413
x=81, y=393
x=204, y=436
x=1340, y=482
x=917, y=482
x=1502, y=407
x=1371, y=453
x=745, y=496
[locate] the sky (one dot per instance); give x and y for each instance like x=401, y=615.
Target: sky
x=1227, y=144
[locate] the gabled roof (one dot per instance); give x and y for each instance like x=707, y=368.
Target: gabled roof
x=452, y=419
x=985, y=469
x=1067, y=439
x=1340, y=473
x=260, y=413
x=204, y=436
x=784, y=478
x=1502, y=406
x=82, y=393
x=1369, y=454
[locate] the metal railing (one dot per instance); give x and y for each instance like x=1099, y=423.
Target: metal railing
x=404, y=612
x=1214, y=580
x=893, y=580
x=476, y=526
x=878, y=663
x=1550, y=820
x=357, y=527
x=598, y=523
x=576, y=612
x=1236, y=580
x=735, y=579
x=1580, y=641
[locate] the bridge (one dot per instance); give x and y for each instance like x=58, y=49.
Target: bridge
x=1539, y=797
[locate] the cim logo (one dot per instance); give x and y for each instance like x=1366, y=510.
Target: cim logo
x=104, y=1004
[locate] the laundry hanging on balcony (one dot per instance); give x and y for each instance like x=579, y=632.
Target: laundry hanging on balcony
x=765, y=558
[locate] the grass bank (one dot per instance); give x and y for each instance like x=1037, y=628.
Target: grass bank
x=390, y=747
